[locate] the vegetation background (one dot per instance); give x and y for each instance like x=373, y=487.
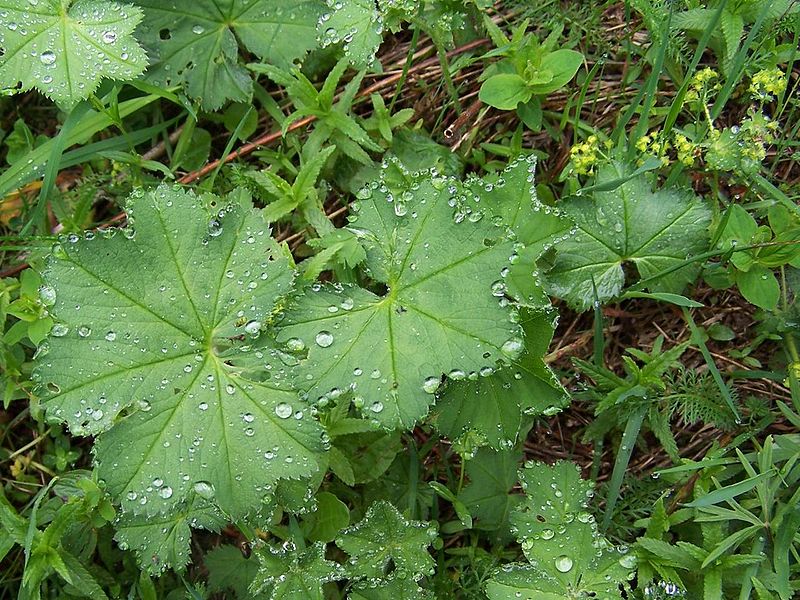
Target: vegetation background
x=619, y=183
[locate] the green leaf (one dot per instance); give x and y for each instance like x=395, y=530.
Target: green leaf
x=152, y=351
x=568, y=557
x=554, y=496
x=395, y=588
x=759, y=286
x=162, y=541
x=488, y=495
x=511, y=197
x=496, y=406
x=653, y=230
x=599, y=577
x=563, y=64
x=393, y=349
x=384, y=536
x=228, y=569
x=64, y=48
x=505, y=91
x=198, y=44
x=288, y=574
x=331, y=516
x=356, y=23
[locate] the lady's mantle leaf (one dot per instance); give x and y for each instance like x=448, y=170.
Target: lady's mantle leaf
x=653, y=230
x=496, y=407
x=162, y=541
x=383, y=537
x=356, y=23
x=429, y=243
x=568, y=557
x=197, y=43
x=286, y=574
x=64, y=48
x=146, y=354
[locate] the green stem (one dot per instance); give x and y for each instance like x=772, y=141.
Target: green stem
x=406, y=66
x=448, y=80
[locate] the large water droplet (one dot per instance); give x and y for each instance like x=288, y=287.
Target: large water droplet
x=204, y=489
x=324, y=339
x=563, y=563
x=512, y=347
x=47, y=57
x=165, y=492
x=253, y=327
x=431, y=384
x=283, y=410
x=109, y=37
x=59, y=330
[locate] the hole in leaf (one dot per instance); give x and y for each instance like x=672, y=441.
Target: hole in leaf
x=164, y=34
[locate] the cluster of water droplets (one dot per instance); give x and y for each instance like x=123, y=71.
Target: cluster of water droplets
x=90, y=39
x=340, y=27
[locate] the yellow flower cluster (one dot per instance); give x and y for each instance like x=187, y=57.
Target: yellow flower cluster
x=685, y=149
x=652, y=144
x=767, y=83
x=584, y=156
x=700, y=82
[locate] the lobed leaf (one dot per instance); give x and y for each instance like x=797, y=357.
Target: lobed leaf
x=426, y=240
x=630, y=224
x=198, y=44
x=162, y=541
x=64, y=48
x=358, y=24
x=153, y=352
x=386, y=537
x=287, y=573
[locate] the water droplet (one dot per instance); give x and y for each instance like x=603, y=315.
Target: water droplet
x=47, y=295
x=84, y=331
x=295, y=345
x=203, y=406
x=111, y=336
x=230, y=388
x=165, y=492
x=324, y=339
x=198, y=29
x=109, y=37
x=283, y=410
x=376, y=407
x=548, y=534
x=204, y=489
x=253, y=327
x=47, y=57
x=248, y=417
x=512, y=347
x=431, y=384
x=563, y=563
x=59, y=330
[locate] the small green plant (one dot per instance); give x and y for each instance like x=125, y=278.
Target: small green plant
x=527, y=70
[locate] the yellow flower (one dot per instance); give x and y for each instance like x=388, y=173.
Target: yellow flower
x=767, y=83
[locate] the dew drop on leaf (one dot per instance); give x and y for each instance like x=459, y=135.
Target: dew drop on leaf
x=59, y=330
x=512, y=347
x=47, y=57
x=165, y=492
x=324, y=339
x=430, y=385
x=204, y=489
x=563, y=563
x=283, y=410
